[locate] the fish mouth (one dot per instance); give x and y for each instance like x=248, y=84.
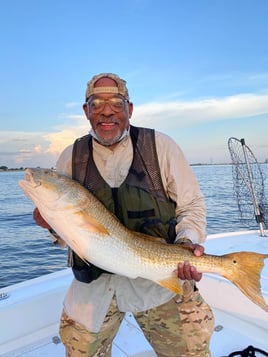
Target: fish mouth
x=29, y=179
x=28, y=176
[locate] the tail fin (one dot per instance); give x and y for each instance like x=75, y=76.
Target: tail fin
x=245, y=273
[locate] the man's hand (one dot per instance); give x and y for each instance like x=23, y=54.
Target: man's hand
x=39, y=219
x=185, y=271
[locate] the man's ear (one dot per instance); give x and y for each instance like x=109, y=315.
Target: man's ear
x=130, y=109
x=85, y=108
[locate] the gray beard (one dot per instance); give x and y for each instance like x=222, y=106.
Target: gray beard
x=104, y=142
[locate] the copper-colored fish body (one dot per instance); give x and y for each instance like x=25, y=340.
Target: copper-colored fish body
x=99, y=238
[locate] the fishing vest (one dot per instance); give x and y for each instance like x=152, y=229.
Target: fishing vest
x=140, y=203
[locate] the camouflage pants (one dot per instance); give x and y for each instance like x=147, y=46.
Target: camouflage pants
x=180, y=328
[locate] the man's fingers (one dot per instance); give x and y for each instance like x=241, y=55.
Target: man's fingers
x=185, y=271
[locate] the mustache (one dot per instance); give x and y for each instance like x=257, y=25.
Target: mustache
x=102, y=119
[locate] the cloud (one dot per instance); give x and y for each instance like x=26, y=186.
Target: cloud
x=23, y=148
x=65, y=135
x=43, y=149
x=171, y=115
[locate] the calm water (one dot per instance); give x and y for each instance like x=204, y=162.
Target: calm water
x=27, y=251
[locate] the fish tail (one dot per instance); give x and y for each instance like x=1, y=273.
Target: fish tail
x=245, y=273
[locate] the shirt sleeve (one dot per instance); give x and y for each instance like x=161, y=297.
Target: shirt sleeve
x=182, y=187
x=64, y=163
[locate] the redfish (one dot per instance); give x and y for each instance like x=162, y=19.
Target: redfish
x=98, y=237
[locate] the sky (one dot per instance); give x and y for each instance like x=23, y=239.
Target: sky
x=196, y=70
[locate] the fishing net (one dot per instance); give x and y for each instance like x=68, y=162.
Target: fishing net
x=248, y=181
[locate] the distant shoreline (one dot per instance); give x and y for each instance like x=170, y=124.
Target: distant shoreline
x=195, y=164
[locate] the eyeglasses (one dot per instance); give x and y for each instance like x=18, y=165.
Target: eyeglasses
x=97, y=105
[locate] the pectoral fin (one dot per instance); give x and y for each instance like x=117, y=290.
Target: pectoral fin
x=172, y=284
x=91, y=224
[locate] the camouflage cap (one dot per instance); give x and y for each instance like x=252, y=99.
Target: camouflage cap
x=120, y=89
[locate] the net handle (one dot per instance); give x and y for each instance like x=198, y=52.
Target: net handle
x=251, y=189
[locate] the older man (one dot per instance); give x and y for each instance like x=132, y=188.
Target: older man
x=142, y=177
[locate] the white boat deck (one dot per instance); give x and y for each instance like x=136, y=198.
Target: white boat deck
x=229, y=336
x=30, y=314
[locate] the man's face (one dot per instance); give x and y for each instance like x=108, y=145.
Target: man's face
x=108, y=114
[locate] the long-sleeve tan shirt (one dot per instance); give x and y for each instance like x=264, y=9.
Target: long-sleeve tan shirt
x=89, y=303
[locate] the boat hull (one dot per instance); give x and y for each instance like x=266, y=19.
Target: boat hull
x=31, y=311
